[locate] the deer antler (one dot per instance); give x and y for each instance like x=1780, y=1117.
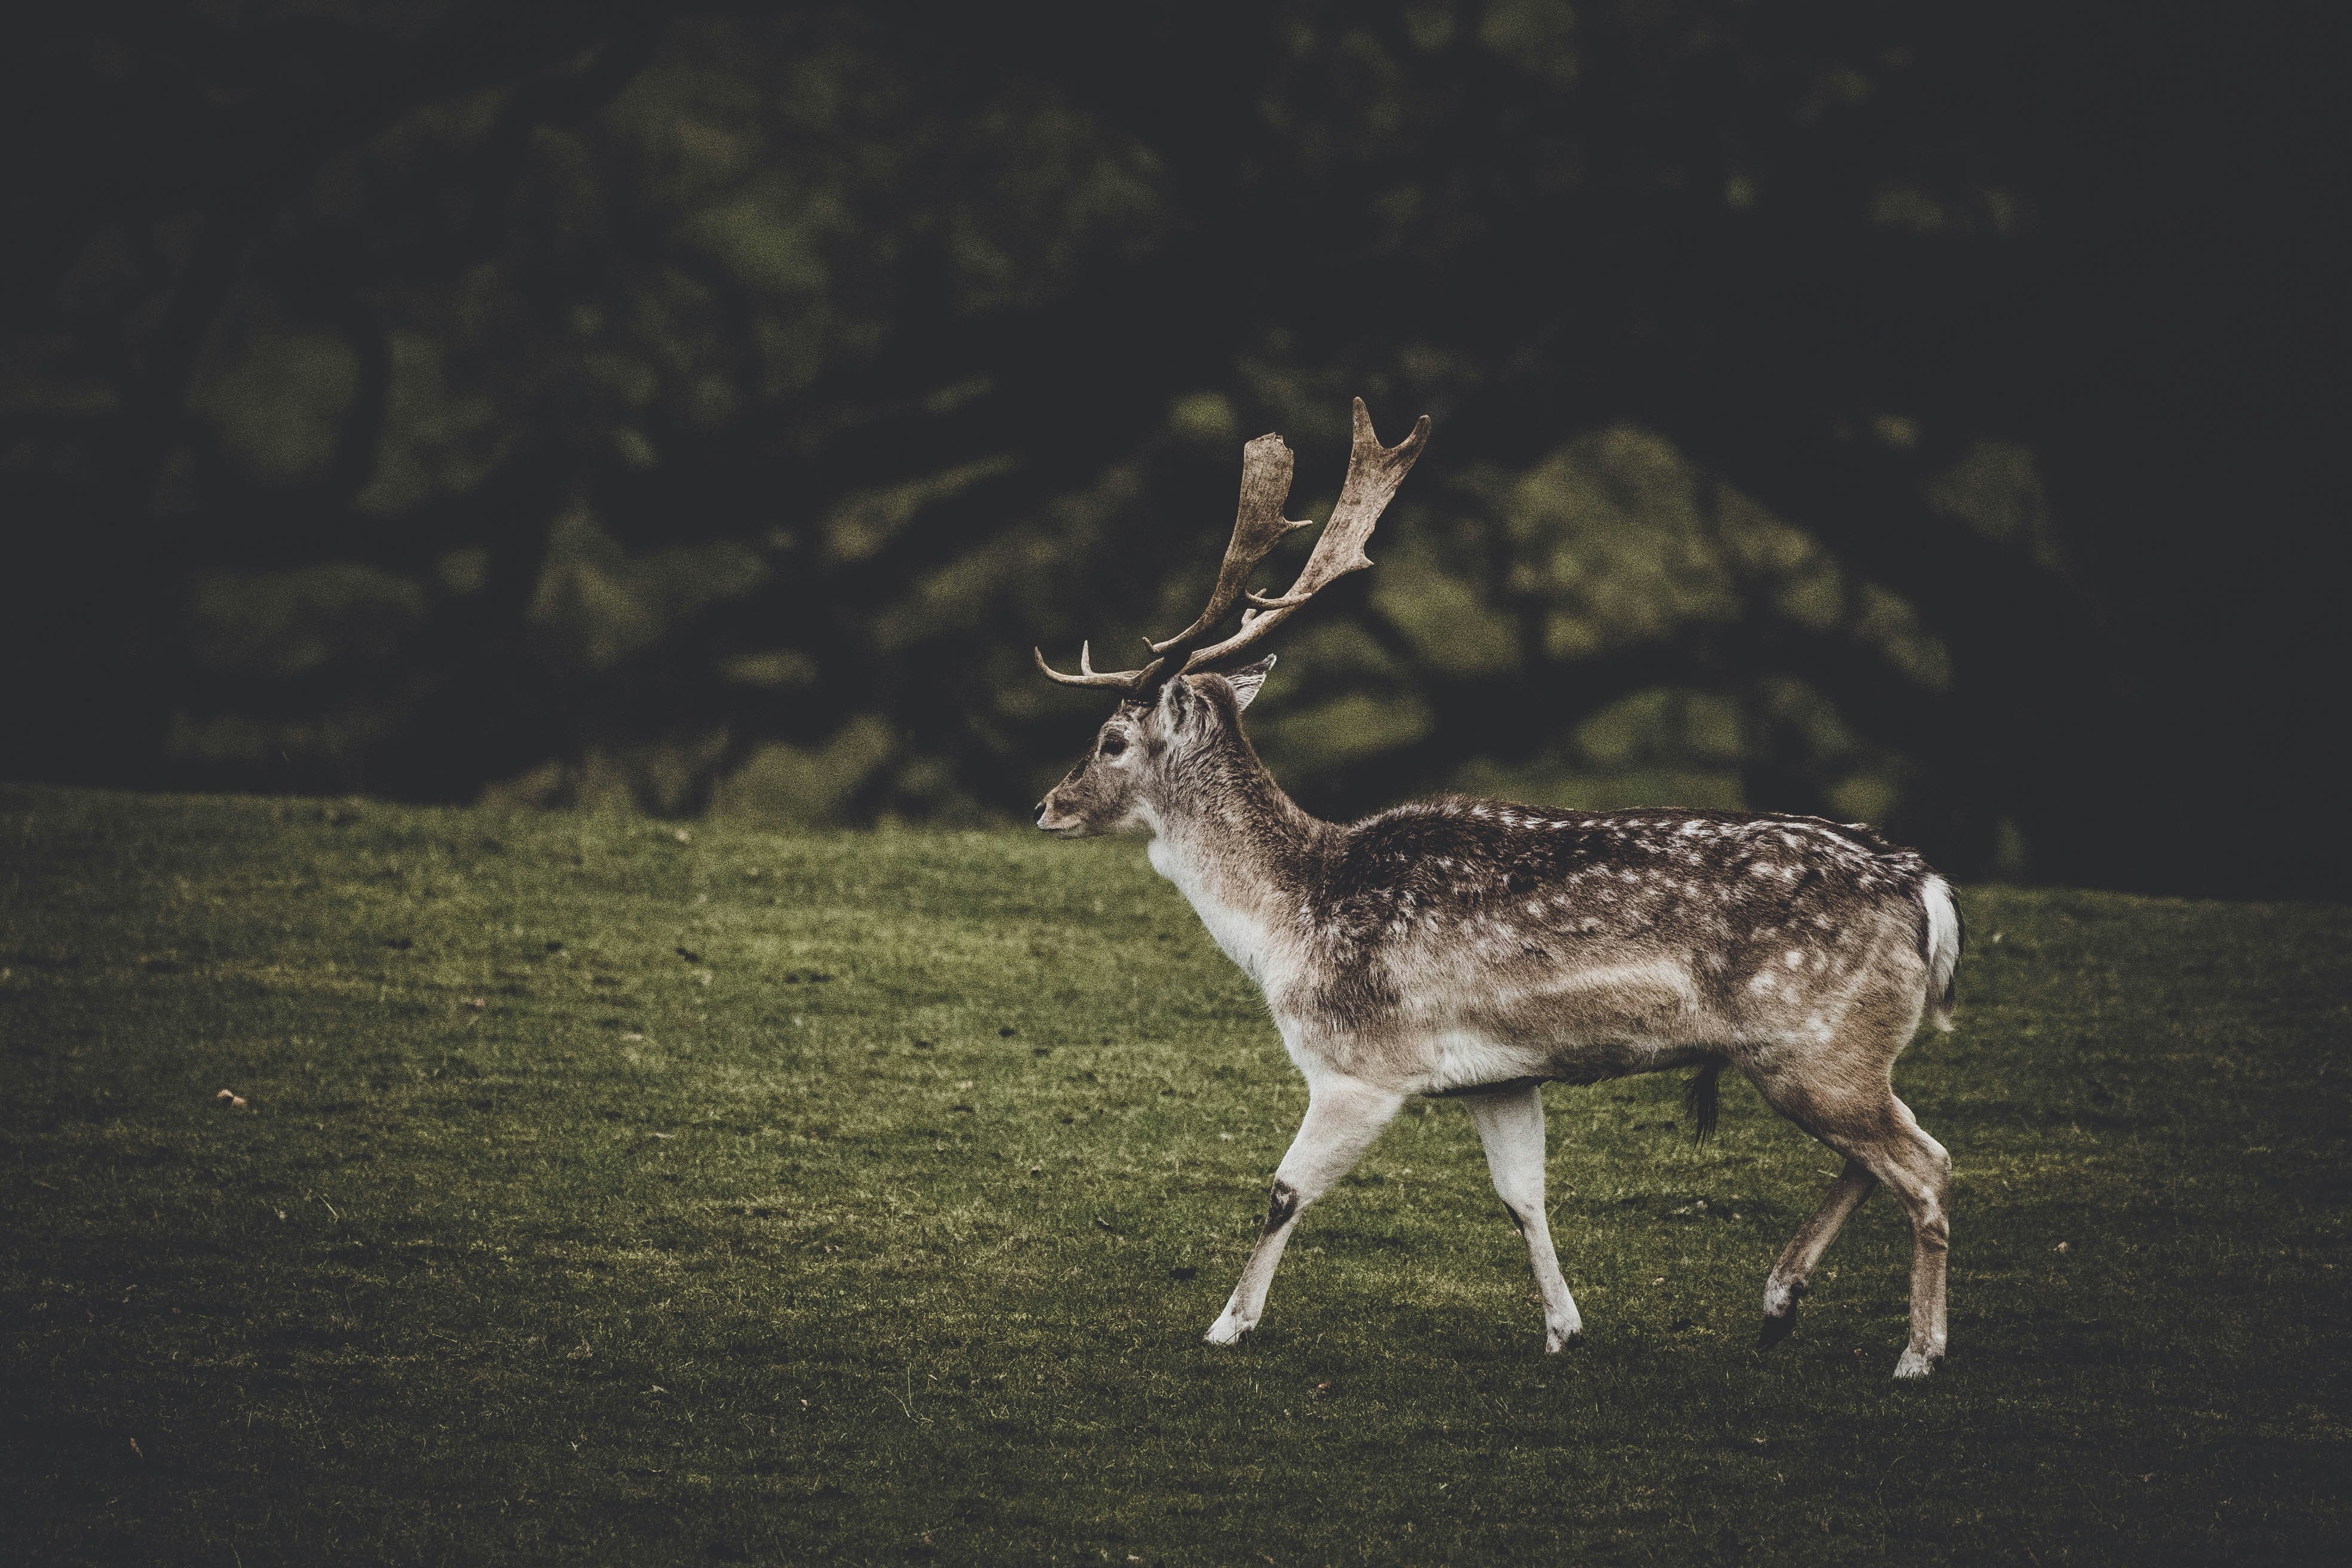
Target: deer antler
x=1374, y=472
x=1258, y=527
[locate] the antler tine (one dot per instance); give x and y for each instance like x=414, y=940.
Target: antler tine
x=1258, y=527
x=1125, y=679
x=1374, y=472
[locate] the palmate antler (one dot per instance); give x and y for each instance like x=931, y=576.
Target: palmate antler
x=1374, y=472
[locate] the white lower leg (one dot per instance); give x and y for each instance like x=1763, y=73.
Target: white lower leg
x=1562, y=1323
x=1343, y=1117
x=1510, y=1124
x=1247, y=1303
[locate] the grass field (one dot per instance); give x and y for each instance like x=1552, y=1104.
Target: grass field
x=608, y=1191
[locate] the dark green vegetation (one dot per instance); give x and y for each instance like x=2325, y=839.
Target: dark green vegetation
x=605, y=1192
x=1924, y=414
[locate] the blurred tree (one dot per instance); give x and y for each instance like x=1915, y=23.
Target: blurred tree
x=707, y=406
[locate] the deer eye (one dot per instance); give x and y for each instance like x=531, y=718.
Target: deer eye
x=1113, y=744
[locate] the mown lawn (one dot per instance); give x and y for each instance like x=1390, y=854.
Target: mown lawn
x=604, y=1192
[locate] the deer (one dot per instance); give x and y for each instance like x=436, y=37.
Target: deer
x=1476, y=950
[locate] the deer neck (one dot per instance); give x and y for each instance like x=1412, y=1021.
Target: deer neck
x=1239, y=849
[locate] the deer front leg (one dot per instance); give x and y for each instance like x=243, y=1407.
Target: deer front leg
x=1511, y=1123
x=1343, y=1117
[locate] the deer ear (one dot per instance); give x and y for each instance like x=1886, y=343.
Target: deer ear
x=1248, y=678
x=1177, y=701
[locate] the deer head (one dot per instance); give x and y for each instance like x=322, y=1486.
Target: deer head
x=1185, y=705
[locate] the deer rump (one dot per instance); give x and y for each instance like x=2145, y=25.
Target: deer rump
x=1475, y=950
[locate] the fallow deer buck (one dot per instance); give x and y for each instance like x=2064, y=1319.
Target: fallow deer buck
x=1478, y=949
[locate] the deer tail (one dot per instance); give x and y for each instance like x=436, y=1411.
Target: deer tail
x=1699, y=1098
x=1941, y=938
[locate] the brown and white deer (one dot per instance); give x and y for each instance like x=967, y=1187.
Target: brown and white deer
x=1478, y=949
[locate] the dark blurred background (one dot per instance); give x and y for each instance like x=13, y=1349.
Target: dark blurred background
x=1930, y=414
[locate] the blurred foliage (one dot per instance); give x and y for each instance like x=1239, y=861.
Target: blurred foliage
x=706, y=408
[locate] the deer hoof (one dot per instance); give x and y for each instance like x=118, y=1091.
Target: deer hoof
x=1559, y=1340
x=1916, y=1364
x=1227, y=1330
x=1779, y=1312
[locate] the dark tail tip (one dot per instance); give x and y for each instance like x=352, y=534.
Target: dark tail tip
x=1700, y=1099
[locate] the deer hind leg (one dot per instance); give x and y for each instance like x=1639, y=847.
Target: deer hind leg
x=1511, y=1123
x=1343, y=1118
x=1920, y=1172
x=1785, y=1286
x=1878, y=1133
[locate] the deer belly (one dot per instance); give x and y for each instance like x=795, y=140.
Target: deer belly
x=1463, y=1059
x=1590, y=1023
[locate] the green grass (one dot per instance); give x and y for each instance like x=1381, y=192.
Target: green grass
x=884, y=1227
